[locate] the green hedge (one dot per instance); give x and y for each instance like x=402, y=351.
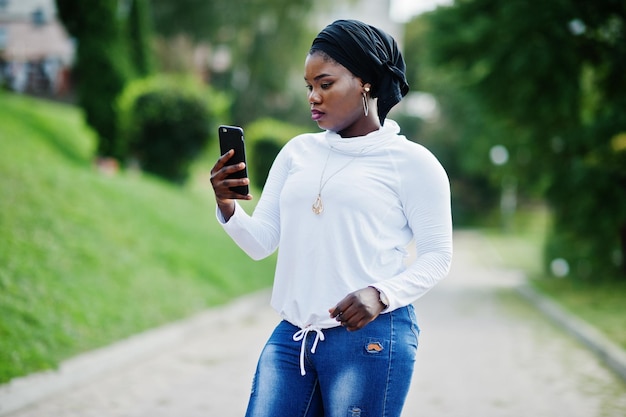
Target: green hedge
x=264, y=139
x=166, y=123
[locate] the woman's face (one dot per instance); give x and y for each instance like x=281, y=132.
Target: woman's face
x=336, y=99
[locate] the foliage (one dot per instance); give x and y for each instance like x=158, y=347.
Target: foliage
x=88, y=259
x=263, y=41
x=102, y=66
x=265, y=138
x=553, y=81
x=167, y=122
x=265, y=151
x=139, y=29
x=457, y=135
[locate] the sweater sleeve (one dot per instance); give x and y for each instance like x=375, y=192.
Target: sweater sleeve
x=258, y=235
x=426, y=199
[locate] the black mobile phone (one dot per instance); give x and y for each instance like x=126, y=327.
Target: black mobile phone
x=231, y=137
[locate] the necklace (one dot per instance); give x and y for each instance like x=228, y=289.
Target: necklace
x=318, y=205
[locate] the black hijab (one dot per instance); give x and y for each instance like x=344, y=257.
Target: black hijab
x=370, y=54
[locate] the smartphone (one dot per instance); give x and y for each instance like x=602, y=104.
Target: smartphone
x=231, y=137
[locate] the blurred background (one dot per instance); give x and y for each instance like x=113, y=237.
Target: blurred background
x=108, y=122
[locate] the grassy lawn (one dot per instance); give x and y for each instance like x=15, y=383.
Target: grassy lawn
x=601, y=305
x=86, y=258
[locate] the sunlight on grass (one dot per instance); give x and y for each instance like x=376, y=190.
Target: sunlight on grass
x=86, y=258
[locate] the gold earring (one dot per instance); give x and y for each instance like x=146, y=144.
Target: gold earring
x=365, y=105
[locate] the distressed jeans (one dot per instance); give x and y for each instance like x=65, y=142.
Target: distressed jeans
x=365, y=373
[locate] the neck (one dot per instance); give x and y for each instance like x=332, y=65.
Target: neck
x=365, y=127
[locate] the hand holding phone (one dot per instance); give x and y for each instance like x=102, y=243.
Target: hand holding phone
x=231, y=137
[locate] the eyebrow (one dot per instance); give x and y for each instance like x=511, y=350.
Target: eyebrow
x=318, y=77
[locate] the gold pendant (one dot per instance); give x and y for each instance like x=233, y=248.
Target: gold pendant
x=317, y=206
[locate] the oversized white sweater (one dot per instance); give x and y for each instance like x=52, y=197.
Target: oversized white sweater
x=382, y=193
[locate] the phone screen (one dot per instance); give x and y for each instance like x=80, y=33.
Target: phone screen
x=231, y=137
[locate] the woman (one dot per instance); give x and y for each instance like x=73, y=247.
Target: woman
x=342, y=205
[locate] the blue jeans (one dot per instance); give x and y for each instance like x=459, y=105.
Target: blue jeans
x=365, y=373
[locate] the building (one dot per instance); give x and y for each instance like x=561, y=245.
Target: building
x=36, y=52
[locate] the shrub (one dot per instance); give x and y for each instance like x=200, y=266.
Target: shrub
x=593, y=248
x=264, y=139
x=166, y=123
x=262, y=157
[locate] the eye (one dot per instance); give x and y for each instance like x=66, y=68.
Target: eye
x=326, y=86
x=309, y=87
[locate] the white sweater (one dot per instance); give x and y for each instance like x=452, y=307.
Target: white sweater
x=383, y=191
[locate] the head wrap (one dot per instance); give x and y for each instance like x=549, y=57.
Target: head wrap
x=370, y=54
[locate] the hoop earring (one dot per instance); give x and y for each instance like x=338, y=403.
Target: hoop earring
x=366, y=107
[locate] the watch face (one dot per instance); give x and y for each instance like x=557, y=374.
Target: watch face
x=384, y=299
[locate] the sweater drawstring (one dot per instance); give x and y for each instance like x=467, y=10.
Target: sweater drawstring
x=300, y=335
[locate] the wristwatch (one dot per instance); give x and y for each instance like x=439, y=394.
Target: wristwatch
x=382, y=298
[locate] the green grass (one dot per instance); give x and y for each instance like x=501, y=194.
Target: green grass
x=599, y=304
x=87, y=259
x=603, y=306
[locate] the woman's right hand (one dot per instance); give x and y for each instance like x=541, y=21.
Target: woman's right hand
x=224, y=196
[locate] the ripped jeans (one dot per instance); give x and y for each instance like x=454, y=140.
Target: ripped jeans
x=365, y=373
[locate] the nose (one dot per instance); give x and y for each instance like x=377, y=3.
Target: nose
x=314, y=98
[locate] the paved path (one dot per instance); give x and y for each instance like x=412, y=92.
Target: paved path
x=483, y=352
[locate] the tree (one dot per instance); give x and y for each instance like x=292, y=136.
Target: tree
x=457, y=136
x=139, y=29
x=102, y=65
x=265, y=40
x=553, y=74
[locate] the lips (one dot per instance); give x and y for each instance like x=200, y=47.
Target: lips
x=316, y=115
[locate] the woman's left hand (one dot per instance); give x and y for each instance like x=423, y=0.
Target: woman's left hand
x=357, y=309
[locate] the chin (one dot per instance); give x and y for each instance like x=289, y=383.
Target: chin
x=329, y=126
x=325, y=126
